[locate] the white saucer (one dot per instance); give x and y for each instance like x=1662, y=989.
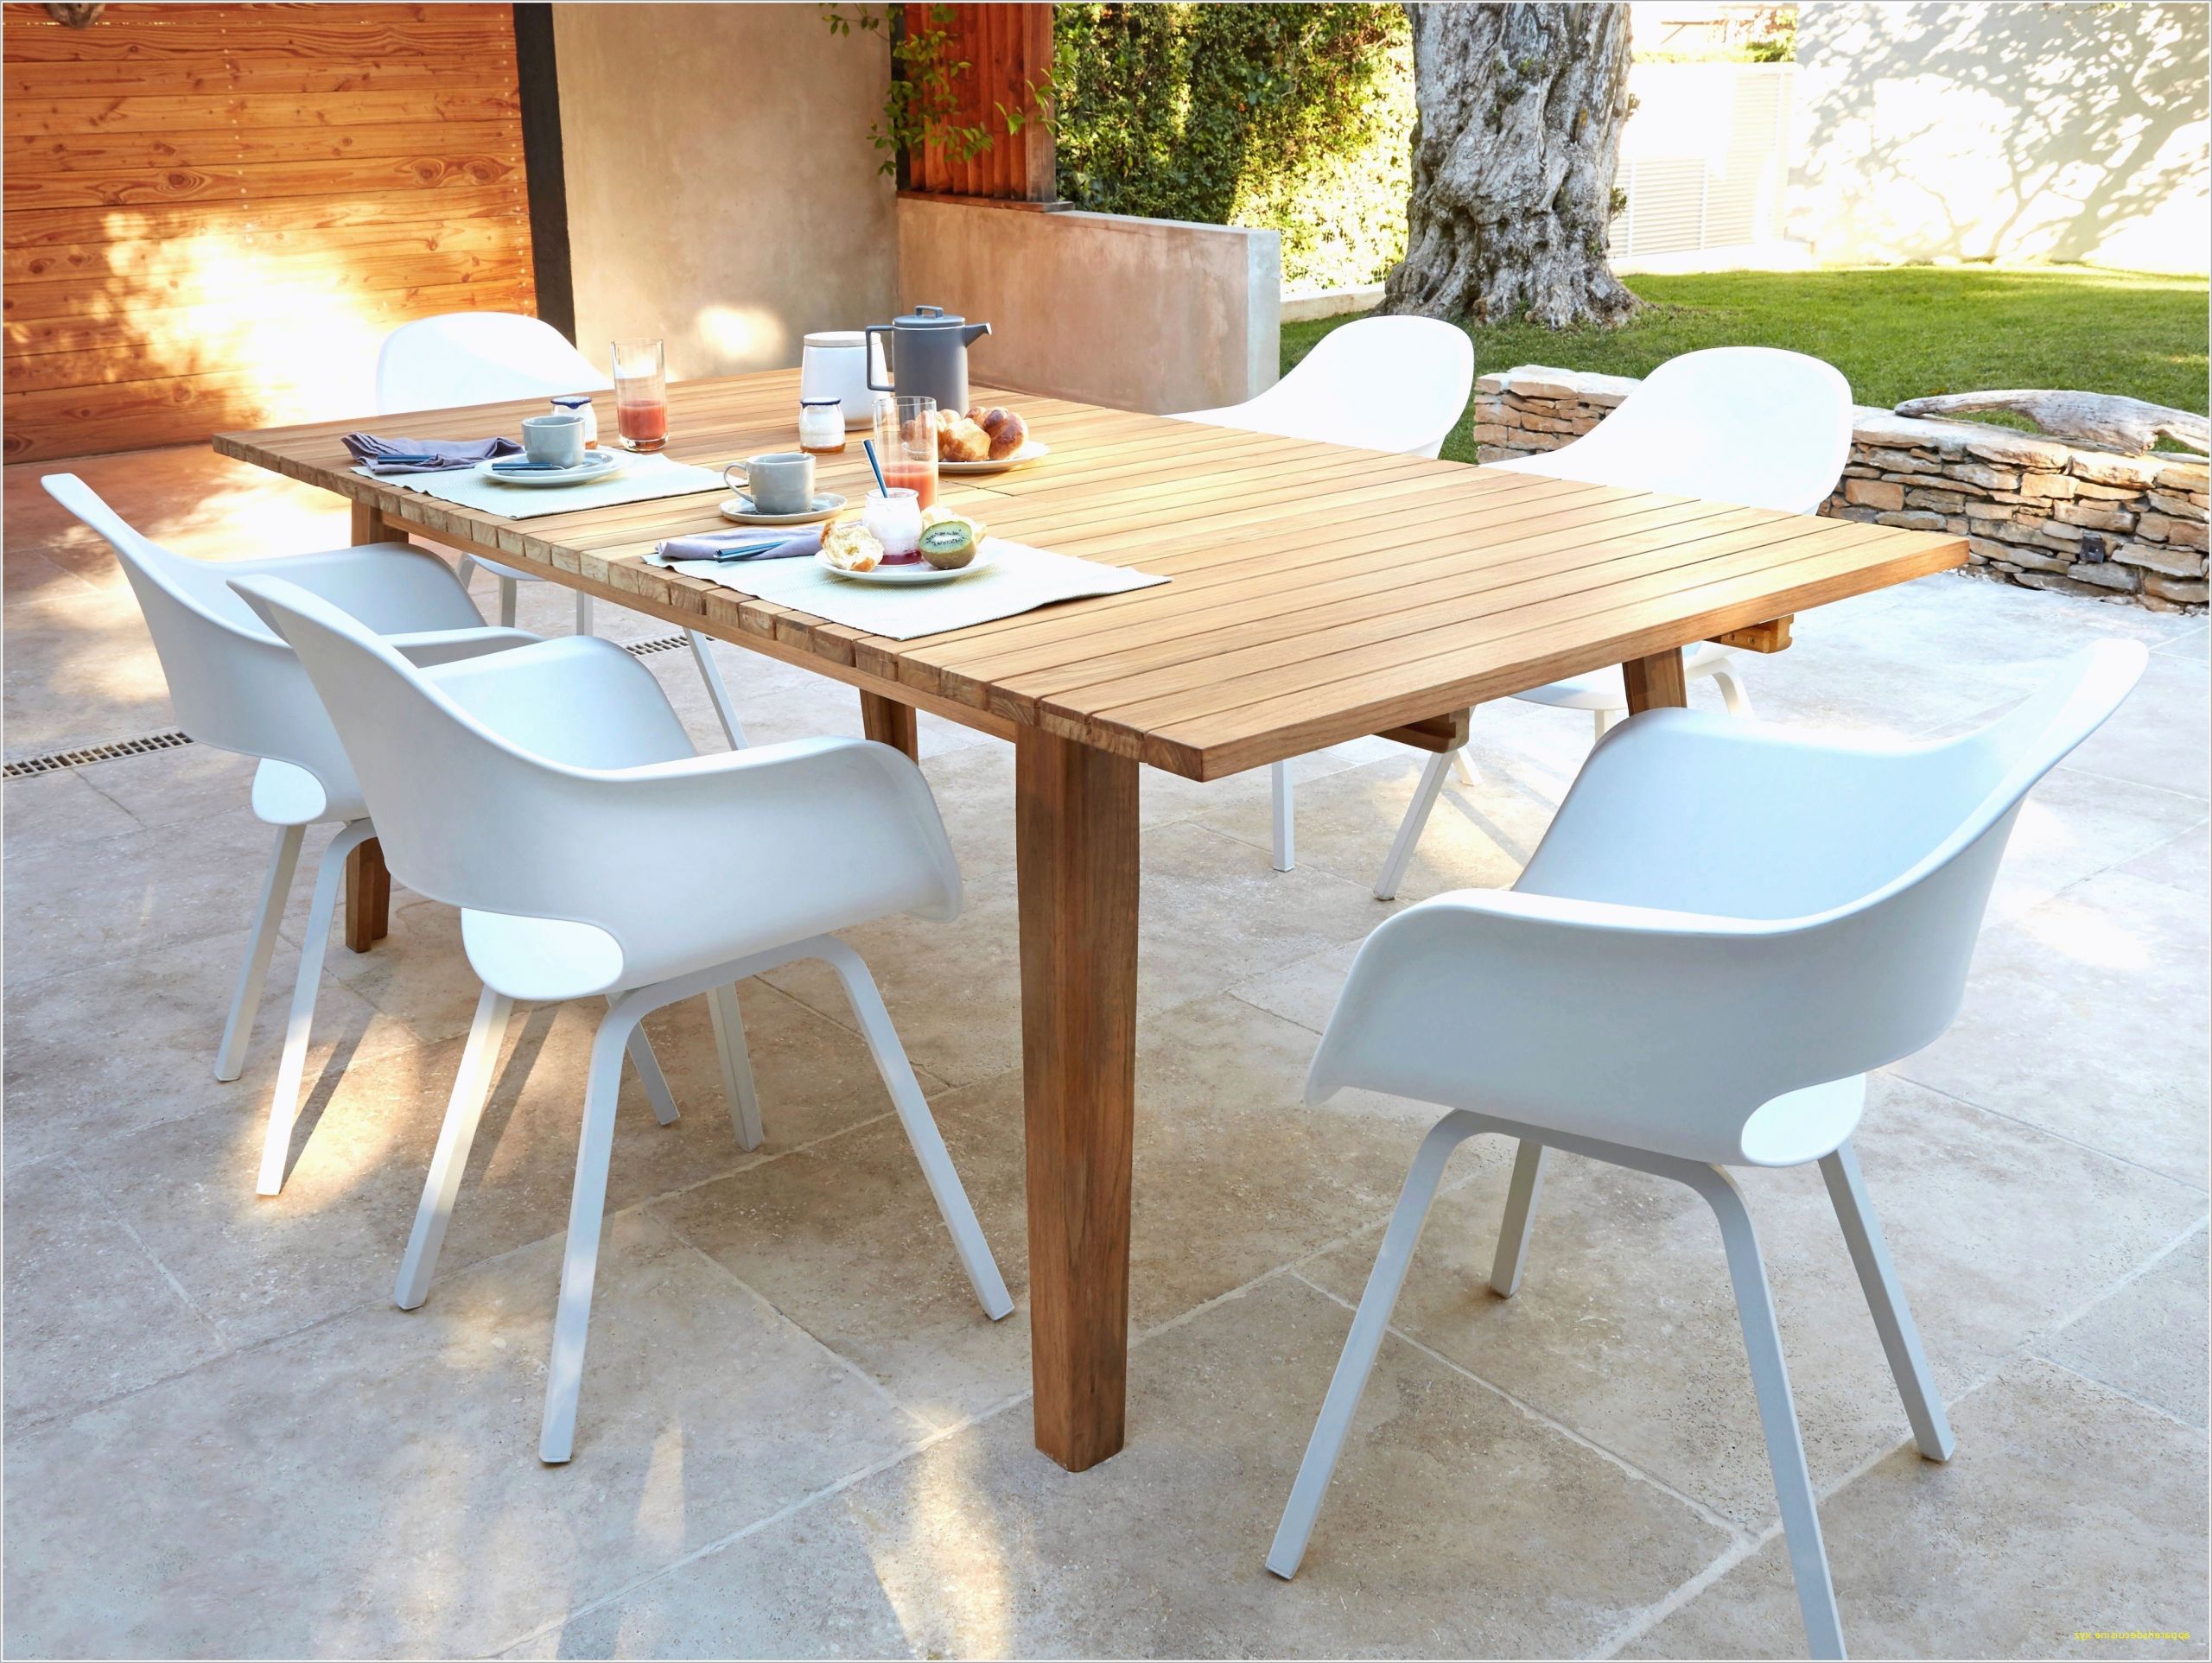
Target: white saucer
x=740, y=508
x=1031, y=450
x=601, y=463
x=925, y=572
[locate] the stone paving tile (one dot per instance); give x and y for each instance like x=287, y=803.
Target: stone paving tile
x=2066, y=1509
x=372, y=1487
x=2148, y=1339
x=1233, y=1176
x=1457, y=1526
x=1625, y=1327
x=262, y=1267
x=2088, y=1016
x=91, y=1314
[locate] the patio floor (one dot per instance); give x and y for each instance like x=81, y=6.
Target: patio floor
x=798, y=1435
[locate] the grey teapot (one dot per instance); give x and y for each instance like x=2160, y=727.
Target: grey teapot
x=927, y=354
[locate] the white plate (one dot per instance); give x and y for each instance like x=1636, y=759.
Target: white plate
x=740, y=508
x=605, y=465
x=925, y=572
x=1033, y=450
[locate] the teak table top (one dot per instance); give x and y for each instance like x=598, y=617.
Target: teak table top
x=1318, y=593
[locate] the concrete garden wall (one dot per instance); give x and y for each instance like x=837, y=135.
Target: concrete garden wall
x=2035, y=512
x=1148, y=314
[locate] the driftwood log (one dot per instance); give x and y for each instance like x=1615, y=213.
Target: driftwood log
x=2106, y=420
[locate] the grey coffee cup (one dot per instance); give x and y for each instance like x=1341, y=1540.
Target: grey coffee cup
x=781, y=482
x=558, y=440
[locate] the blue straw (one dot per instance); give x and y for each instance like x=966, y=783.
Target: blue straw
x=874, y=466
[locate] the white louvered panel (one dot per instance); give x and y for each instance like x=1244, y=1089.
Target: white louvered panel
x=1704, y=160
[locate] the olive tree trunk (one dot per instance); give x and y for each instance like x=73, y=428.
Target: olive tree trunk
x=1520, y=110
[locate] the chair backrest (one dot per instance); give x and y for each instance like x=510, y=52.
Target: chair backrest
x=1398, y=384
x=478, y=358
x=1738, y=424
x=234, y=685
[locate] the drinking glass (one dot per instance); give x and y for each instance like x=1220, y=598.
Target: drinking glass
x=905, y=444
x=641, y=393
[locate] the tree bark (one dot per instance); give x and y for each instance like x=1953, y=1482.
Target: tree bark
x=1520, y=109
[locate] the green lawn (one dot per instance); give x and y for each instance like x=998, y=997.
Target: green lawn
x=1896, y=332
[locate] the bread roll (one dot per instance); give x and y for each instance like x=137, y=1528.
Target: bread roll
x=959, y=440
x=1007, y=431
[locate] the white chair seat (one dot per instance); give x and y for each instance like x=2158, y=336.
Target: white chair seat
x=507, y=573
x=287, y=795
x=1607, y=689
x=540, y=960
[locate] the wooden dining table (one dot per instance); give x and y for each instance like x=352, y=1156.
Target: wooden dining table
x=1317, y=593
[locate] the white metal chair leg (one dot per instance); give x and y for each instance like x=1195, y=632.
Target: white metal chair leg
x=1368, y=1326
x=587, y=1210
x=1463, y=768
x=465, y=568
x=284, y=1102
x=650, y=1077
x=738, y=1089
x=1785, y=1448
x=1732, y=691
x=583, y=613
x=928, y=1143
x=507, y=603
x=1410, y=829
x=253, y=969
x=471, y=1085
x=1286, y=826
x=1862, y=1233
x=1599, y=721
x=710, y=673
x=1520, y=1217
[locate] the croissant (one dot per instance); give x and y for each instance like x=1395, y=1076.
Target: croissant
x=959, y=440
x=1007, y=431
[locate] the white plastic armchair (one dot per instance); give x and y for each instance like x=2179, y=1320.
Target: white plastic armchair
x=1752, y=425
x=1399, y=384
x=1723, y=931
x=236, y=687
x=479, y=357
x=555, y=798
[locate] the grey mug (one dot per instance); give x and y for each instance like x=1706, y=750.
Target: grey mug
x=558, y=440
x=781, y=482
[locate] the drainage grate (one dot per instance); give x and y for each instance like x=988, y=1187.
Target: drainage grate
x=665, y=644
x=57, y=760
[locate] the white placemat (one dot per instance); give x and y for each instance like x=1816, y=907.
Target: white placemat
x=1020, y=579
x=644, y=479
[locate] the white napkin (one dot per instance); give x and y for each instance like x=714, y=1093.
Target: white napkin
x=1018, y=580
x=644, y=479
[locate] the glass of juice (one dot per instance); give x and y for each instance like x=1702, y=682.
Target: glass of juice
x=641, y=393
x=905, y=445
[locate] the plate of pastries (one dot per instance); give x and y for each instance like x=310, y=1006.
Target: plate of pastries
x=953, y=545
x=987, y=439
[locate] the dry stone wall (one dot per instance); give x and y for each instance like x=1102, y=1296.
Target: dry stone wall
x=2034, y=511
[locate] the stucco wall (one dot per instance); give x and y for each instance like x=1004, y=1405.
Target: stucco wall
x=722, y=193
x=2004, y=131
x=1148, y=314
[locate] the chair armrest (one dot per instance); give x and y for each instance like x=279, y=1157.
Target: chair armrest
x=427, y=647
x=393, y=588
x=1659, y=1029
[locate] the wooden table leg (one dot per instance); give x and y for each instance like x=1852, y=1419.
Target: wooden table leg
x=1076, y=853
x=368, y=896
x=368, y=525
x=1656, y=681
x=890, y=723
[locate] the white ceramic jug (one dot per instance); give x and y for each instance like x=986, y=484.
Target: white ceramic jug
x=834, y=364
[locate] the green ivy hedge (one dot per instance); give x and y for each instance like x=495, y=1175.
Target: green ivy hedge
x=1295, y=116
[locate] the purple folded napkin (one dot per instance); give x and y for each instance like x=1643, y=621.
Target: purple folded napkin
x=386, y=456
x=718, y=545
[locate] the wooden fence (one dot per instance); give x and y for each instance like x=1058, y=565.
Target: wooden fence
x=215, y=212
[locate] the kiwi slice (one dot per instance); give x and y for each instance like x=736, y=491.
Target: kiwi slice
x=948, y=544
